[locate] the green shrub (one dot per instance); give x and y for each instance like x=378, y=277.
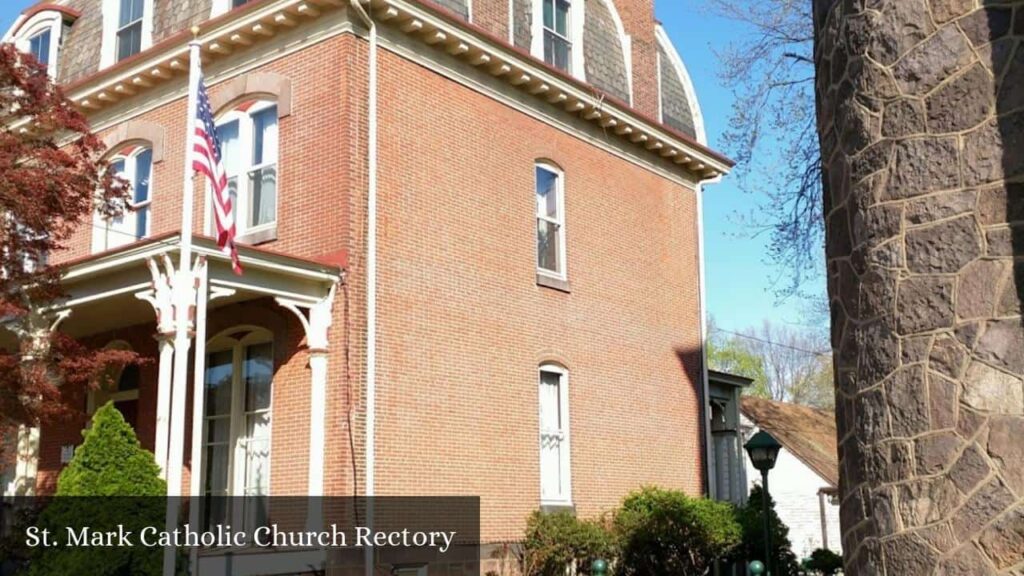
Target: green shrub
x=554, y=541
x=824, y=562
x=665, y=532
x=110, y=481
x=750, y=517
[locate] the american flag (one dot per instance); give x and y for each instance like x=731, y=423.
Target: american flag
x=206, y=159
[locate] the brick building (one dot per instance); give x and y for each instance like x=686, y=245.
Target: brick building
x=474, y=223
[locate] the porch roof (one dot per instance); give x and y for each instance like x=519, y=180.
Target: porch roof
x=104, y=291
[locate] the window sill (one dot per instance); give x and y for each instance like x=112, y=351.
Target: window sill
x=257, y=237
x=555, y=507
x=553, y=283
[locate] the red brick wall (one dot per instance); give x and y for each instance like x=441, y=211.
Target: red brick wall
x=492, y=15
x=463, y=325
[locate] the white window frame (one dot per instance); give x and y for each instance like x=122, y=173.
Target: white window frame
x=111, y=20
x=246, y=139
x=562, y=273
x=575, y=27
x=565, y=463
x=102, y=238
x=236, y=446
x=46, y=20
x=219, y=7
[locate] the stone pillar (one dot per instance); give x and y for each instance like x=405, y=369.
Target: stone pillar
x=921, y=118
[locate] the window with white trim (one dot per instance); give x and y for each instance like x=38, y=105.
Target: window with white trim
x=249, y=148
x=550, y=193
x=134, y=164
x=40, y=35
x=557, y=40
x=39, y=46
x=557, y=34
x=236, y=427
x=555, y=471
x=129, y=28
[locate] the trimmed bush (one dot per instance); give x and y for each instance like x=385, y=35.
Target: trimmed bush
x=825, y=562
x=667, y=533
x=111, y=481
x=750, y=517
x=554, y=541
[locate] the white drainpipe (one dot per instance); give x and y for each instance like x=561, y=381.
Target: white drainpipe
x=705, y=409
x=371, y=272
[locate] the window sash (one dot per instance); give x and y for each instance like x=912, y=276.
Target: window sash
x=555, y=464
x=39, y=46
x=249, y=434
x=250, y=149
x=135, y=223
x=550, y=228
x=129, y=40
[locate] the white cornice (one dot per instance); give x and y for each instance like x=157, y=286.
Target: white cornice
x=236, y=32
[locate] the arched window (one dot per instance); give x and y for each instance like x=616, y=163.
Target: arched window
x=555, y=467
x=249, y=146
x=120, y=385
x=134, y=163
x=550, y=193
x=558, y=34
x=40, y=32
x=236, y=436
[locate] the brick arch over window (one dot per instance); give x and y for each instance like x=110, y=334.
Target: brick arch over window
x=153, y=135
x=553, y=358
x=272, y=86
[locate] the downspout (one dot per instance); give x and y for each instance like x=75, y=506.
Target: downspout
x=371, y=272
x=705, y=409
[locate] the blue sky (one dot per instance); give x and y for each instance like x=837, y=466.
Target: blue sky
x=738, y=278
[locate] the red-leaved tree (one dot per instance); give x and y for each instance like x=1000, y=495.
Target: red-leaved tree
x=51, y=180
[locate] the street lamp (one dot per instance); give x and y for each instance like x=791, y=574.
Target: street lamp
x=763, y=450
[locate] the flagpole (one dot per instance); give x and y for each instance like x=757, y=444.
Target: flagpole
x=184, y=299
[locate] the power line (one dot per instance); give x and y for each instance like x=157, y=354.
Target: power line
x=770, y=343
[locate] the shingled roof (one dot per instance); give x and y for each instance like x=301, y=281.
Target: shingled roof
x=809, y=433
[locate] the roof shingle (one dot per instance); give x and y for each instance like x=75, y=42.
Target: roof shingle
x=809, y=433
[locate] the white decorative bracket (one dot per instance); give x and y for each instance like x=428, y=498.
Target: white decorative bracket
x=315, y=320
x=59, y=319
x=161, y=295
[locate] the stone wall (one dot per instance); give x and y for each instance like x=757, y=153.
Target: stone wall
x=922, y=132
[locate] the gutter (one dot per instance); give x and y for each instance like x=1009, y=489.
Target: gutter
x=371, y=275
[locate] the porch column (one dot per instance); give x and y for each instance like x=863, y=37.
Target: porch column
x=161, y=299
x=163, y=400
x=316, y=326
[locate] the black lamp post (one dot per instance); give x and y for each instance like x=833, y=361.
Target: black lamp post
x=763, y=450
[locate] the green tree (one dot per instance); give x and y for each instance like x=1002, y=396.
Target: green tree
x=824, y=562
x=750, y=517
x=554, y=541
x=667, y=533
x=111, y=481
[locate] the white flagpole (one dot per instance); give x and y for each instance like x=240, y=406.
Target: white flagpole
x=184, y=299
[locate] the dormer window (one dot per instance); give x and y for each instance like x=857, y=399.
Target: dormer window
x=557, y=45
x=38, y=32
x=39, y=46
x=557, y=33
x=129, y=28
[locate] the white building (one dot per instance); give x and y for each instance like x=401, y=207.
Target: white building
x=805, y=480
